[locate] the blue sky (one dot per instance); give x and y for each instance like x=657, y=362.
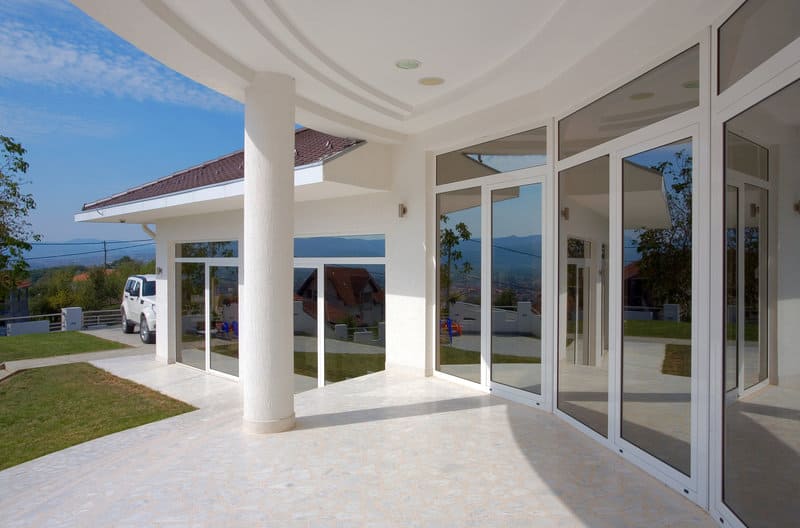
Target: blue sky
x=97, y=115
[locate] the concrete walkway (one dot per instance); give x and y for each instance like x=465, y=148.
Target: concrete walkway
x=388, y=449
x=132, y=340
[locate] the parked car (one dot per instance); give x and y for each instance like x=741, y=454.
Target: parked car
x=139, y=307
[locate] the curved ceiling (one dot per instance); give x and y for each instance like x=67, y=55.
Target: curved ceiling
x=343, y=54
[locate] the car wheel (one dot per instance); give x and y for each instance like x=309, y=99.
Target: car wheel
x=127, y=326
x=145, y=334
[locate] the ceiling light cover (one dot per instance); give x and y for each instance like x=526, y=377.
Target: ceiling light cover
x=431, y=81
x=408, y=64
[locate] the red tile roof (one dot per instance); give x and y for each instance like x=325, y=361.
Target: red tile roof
x=310, y=146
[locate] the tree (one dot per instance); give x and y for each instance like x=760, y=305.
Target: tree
x=666, y=254
x=449, y=239
x=15, y=206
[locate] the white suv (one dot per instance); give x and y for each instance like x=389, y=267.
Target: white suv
x=139, y=306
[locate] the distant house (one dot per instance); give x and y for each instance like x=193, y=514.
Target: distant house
x=350, y=294
x=15, y=303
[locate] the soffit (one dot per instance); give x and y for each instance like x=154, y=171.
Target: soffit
x=342, y=53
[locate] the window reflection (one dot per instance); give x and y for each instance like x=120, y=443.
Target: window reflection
x=657, y=302
x=761, y=411
x=305, y=329
x=191, y=299
x=664, y=91
x=517, y=287
x=355, y=320
x=459, y=214
x=518, y=151
x=755, y=32
x=224, y=336
x=583, y=293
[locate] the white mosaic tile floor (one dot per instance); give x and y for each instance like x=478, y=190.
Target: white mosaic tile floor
x=389, y=449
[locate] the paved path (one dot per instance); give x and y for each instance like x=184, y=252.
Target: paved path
x=388, y=449
x=137, y=348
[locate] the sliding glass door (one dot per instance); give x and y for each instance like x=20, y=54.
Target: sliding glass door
x=517, y=301
x=583, y=201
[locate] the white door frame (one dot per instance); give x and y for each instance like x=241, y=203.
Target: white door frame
x=774, y=74
x=319, y=263
x=524, y=177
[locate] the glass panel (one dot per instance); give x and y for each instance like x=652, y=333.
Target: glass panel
x=191, y=300
x=355, y=327
x=517, y=287
x=340, y=246
x=224, y=288
x=731, y=288
x=305, y=329
x=223, y=249
x=519, y=151
x=583, y=292
x=657, y=303
x=761, y=427
x=746, y=157
x=459, y=301
x=754, y=33
x=666, y=90
x=754, y=354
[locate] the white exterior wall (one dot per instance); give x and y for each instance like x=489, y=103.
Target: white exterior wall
x=370, y=213
x=216, y=226
x=788, y=266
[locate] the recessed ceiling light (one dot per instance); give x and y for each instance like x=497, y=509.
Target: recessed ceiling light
x=642, y=95
x=431, y=81
x=691, y=84
x=408, y=64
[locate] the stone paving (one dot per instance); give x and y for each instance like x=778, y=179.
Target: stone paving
x=389, y=449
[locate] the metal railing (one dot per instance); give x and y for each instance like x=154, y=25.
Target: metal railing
x=91, y=319
x=53, y=318
x=94, y=318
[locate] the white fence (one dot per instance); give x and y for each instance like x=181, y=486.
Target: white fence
x=55, y=322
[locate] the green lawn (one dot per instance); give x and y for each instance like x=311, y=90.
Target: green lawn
x=48, y=409
x=34, y=346
x=677, y=360
x=666, y=329
x=339, y=366
x=449, y=355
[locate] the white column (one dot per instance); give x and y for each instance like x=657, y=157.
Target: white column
x=266, y=337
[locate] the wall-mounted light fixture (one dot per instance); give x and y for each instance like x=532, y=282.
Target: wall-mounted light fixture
x=401, y=210
x=797, y=207
x=565, y=213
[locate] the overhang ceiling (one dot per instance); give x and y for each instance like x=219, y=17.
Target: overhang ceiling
x=342, y=54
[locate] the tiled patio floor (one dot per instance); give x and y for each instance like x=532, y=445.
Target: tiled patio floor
x=389, y=449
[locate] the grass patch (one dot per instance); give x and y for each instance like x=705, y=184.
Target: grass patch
x=48, y=409
x=449, y=355
x=666, y=329
x=33, y=346
x=677, y=360
x=339, y=366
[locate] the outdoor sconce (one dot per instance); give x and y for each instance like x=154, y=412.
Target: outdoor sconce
x=158, y=270
x=401, y=210
x=565, y=213
x=797, y=207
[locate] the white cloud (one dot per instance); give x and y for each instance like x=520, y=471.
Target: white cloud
x=87, y=59
x=27, y=123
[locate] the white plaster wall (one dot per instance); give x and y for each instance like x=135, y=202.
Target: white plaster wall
x=213, y=226
x=372, y=213
x=788, y=263
x=408, y=264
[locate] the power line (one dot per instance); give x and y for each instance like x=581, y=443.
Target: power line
x=90, y=252
x=89, y=243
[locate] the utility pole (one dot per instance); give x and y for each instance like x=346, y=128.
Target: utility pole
x=105, y=255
